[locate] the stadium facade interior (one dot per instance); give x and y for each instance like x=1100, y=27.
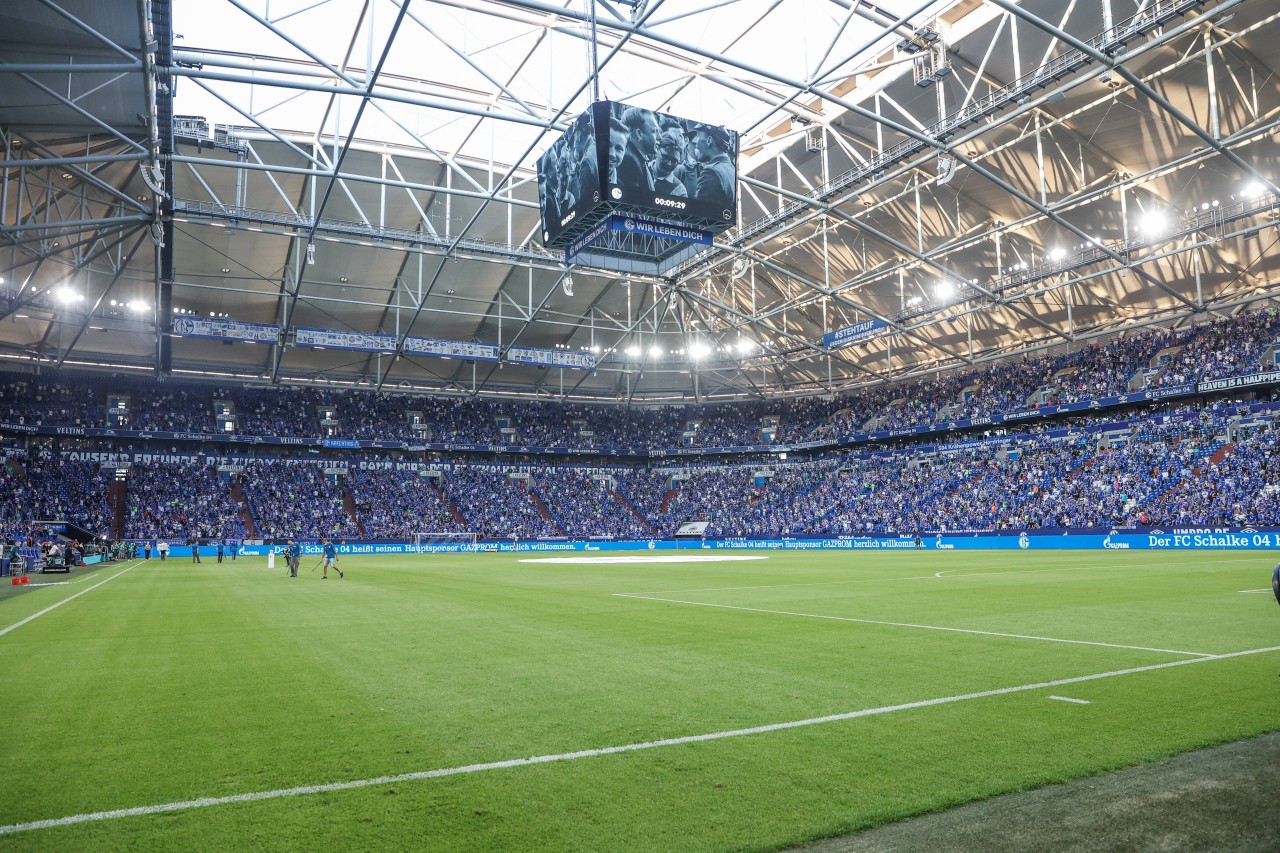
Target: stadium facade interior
x=279, y=271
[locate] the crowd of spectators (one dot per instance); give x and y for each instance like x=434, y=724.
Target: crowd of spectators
x=47, y=488
x=1229, y=348
x=182, y=499
x=1043, y=482
x=1159, y=471
x=586, y=505
x=496, y=505
x=400, y=504
x=734, y=505
x=290, y=499
x=1150, y=357
x=1188, y=467
x=1238, y=491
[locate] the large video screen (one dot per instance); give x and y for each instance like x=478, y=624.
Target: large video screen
x=569, y=178
x=673, y=167
x=633, y=160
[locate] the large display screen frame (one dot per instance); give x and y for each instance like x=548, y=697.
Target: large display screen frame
x=569, y=178
x=674, y=168
x=615, y=157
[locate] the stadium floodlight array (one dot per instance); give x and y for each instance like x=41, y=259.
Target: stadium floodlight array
x=440, y=542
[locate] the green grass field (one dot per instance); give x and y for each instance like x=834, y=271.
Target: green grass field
x=171, y=683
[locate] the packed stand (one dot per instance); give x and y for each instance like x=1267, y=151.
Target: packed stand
x=297, y=500
x=400, y=504
x=182, y=500
x=1240, y=490
x=1227, y=347
x=584, y=506
x=734, y=505
x=48, y=488
x=495, y=505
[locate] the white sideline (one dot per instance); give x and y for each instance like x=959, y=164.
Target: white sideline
x=1069, y=699
x=68, y=598
x=204, y=802
x=911, y=625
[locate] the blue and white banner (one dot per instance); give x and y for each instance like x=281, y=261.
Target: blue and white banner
x=654, y=228
x=576, y=359
x=227, y=330
x=1239, y=539
x=451, y=349
x=858, y=332
x=592, y=234
x=336, y=339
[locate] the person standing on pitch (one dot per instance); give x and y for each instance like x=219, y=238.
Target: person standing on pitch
x=330, y=559
x=222, y=549
x=292, y=557
x=195, y=549
x=163, y=548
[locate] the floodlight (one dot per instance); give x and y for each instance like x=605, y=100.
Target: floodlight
x=1152, y=222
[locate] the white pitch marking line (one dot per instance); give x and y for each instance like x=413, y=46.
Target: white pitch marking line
x=56, y=583
x=68, y=598
x=1255, y=590
x=204, y=802
x=919, y=577
x=1069, y=699
x=913, y=625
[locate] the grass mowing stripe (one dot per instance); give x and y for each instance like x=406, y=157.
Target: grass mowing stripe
x=912, y=625
x=942, y=574
x=205, y=802
x=68, y=598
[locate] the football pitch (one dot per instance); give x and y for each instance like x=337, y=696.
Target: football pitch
x=511, y=702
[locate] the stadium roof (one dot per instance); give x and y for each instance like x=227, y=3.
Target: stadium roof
x=965, y=179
